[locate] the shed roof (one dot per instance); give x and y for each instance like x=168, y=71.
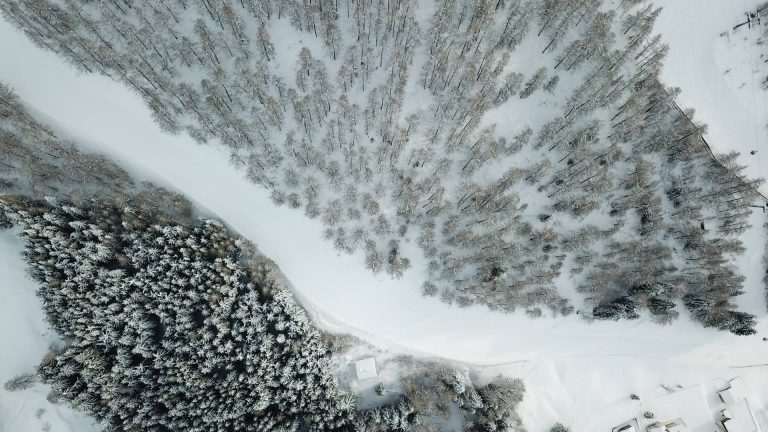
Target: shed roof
x=728, y=396
x=677, y=428
x=731, y=425
x=738, y=388
x=365, y=368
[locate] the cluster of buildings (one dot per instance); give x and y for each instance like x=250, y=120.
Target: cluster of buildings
x=719, y=406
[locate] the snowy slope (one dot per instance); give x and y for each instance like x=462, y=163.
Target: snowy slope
x=579, y=372
x=25, y=338
x=719, y=71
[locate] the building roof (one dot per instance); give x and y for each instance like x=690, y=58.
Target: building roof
x=731, y=425
x=677, y=428
x=628, y=426
x=737, y=387
x=676, y=425
x=365, y=368
x=728, y=396
x=739, y=418
x=733, y=393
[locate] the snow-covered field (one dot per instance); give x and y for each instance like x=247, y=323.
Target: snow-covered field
x=578, y=373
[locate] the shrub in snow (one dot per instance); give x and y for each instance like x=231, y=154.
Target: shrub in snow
x=429, y=289
x=497, y=405
x=559, y=427
x=432, y=393
x=623, y=307
x=534, y=83
x=396, y=264
x=659, y=306
x=552, y=83
x=716, y=314
x=5, y=221
x=20, y=382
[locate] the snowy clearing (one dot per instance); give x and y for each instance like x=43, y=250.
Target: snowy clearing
x=576, y=372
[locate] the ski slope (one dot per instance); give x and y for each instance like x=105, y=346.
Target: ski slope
x=576, y=372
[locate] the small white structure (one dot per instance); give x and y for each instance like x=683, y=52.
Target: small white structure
x=731, y=425
x=628, y=426
x=733, y=393
x=676, y=425
x=738, y=418
x=365, y=368
x=728, y=396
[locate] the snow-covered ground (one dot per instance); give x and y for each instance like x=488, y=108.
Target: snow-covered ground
x=720, y=71
x=24, y=340
x=576, y=372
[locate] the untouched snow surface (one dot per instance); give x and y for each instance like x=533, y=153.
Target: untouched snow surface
x=576, y=372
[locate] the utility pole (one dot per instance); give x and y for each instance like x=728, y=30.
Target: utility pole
x=753, y=19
